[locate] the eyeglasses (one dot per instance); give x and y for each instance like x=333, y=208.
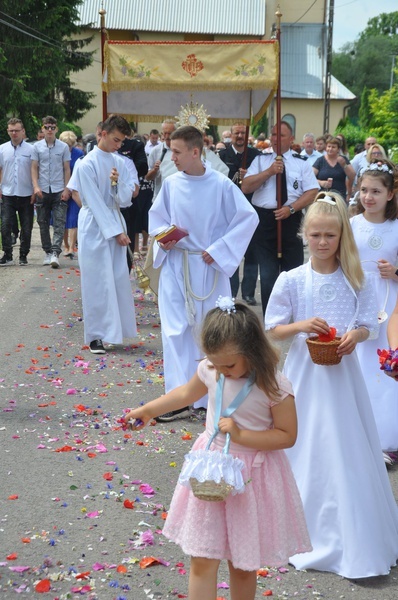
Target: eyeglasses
x=376, y=154
x=50, y=127
x=14, y=130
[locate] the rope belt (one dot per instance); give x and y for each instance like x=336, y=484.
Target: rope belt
x=188, y=291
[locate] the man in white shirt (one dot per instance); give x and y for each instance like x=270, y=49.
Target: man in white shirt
x=309, y=148
x=359, y=161
x=152, y=142
x=50, y=175
x=297, y=192
x=16, y=191
x=160, y=164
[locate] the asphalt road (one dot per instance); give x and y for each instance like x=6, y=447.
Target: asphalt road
x=82, y=503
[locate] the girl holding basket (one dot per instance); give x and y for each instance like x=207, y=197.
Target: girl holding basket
x=350, y=510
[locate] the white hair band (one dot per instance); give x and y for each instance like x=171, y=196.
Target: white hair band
x=327, y=199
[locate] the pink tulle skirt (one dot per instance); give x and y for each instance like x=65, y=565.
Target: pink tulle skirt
x=261, y=527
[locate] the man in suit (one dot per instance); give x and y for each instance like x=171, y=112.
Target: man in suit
x=233, y=156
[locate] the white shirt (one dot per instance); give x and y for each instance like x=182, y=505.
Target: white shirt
x=311, y=158
x=359, y=162
x=149, y=147
x=15, y=164
x=167, y=166
x=300, y=178
x=51, y=161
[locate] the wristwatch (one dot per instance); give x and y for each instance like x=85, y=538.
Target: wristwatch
x=292, y=210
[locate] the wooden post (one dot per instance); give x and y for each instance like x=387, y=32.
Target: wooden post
x=278, y=15
x=102, y=13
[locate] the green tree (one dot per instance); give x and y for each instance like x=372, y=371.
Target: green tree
x=384, y=116
x=367, y=61
x=37, y=56
x=364, y=111
x=261, y=126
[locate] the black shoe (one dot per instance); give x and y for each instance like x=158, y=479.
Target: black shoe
x=22, y=260
x=97, y=347
x=14, y=239
x=250, y=300
x=6, y=260
x=170, y=416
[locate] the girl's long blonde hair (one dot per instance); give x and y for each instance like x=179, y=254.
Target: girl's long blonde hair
x=347, y=254
x=243, y=331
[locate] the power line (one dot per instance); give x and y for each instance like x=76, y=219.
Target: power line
x=40, y=39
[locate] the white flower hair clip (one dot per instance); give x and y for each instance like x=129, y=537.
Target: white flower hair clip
x=226, y=304
x=378, y=166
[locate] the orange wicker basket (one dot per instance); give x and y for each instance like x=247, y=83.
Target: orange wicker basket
x=323, y=353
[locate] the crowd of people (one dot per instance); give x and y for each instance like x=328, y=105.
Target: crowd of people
x=221, y=204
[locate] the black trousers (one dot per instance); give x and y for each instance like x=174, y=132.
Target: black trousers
x=250, y=273
x=265, y=239
x=10, y=207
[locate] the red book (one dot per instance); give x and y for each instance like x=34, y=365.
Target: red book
x=170, y=234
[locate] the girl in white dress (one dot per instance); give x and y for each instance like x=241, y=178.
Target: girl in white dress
x=350, y=510
x=376, y=234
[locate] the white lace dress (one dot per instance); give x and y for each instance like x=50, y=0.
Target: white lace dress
x=350, y=510
x=377, y=241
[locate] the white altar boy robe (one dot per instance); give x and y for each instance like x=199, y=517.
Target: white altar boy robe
x=220, y=220
x=108, y=305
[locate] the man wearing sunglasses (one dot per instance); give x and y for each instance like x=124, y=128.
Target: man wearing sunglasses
x=50, y=175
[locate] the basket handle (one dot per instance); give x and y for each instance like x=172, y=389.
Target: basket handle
x=227, y=442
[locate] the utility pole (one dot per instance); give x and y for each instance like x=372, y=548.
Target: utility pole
x=328, y=74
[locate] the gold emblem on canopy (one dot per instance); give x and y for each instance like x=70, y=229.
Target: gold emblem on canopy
x=193, y=114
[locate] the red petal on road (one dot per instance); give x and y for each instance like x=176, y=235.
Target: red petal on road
x=43, y=586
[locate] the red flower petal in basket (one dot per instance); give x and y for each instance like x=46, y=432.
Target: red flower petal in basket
x=327, y=337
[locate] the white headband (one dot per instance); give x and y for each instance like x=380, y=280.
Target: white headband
x=378, y=166
x=327, y=199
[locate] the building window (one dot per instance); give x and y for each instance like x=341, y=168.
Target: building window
x=291, y=119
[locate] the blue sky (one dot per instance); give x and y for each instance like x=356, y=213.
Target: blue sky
x=351, y=17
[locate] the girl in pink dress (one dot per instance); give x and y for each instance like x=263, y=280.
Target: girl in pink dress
x=262, y=523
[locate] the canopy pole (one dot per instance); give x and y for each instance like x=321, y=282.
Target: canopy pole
x=279, y=156
x=102, y=13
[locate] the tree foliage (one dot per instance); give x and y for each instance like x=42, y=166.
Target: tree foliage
x=37, y=56
x=367, y=62
x=261, y=126
x=384, y=116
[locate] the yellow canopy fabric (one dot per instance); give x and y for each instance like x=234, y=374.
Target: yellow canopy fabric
x=233, y=80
